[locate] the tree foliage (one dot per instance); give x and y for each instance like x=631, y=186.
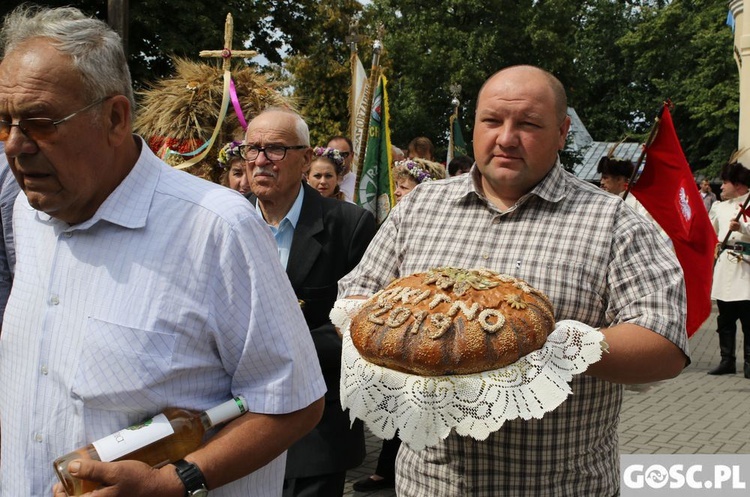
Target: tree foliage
x=428, y=48
x=321, y=77
x=619, y=59
x=683, y=51
x=159, y=30
x=600, y=87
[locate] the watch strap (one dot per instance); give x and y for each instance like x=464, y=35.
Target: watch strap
x=191, y=476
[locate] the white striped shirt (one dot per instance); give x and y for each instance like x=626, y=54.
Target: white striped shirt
x=170, y=295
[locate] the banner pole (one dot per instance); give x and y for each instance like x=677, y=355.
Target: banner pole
x=374, y=78
x=649, y=141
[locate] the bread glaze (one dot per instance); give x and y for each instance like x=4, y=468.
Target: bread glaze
x=452, y=321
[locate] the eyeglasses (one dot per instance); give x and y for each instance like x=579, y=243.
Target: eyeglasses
x=40, y=128
x=272, y=152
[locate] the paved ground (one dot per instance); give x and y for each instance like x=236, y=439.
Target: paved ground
x=692, y=414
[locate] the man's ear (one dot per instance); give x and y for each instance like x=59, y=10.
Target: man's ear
x=308, y=160
x=117, y=119
x=564, y=128
x=308, y=156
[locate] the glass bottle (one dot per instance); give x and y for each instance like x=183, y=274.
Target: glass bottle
x=165, y=438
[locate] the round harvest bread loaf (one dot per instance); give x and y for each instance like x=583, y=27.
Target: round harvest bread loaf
x=452, y=321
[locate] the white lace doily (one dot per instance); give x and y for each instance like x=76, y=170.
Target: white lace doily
x=424, y=409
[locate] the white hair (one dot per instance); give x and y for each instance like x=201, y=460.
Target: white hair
x=94, y=48
x=300, y=126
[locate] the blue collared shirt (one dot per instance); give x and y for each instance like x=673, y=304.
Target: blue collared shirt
x=285, y=231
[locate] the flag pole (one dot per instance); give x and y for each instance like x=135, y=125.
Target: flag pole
x=451, y=137
x=374, y=78
x=649, y=141
x=352, y=40
x=455, y=90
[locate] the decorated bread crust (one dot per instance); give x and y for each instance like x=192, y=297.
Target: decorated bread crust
x=452, y=321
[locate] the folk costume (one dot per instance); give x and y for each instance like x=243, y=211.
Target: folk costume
x=731, y=284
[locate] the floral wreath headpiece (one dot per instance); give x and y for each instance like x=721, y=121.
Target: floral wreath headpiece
x=229, y=152
x=414, y=170
x=332, y=154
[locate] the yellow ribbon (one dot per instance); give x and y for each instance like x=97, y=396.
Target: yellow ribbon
x=222, y=114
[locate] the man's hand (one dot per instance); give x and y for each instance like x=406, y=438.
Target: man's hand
x=239, y=448
x=126, y=479
x=734, y=225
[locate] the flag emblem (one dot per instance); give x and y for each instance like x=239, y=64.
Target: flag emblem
x=375, y=113
x=684, y=207
x=374, y=190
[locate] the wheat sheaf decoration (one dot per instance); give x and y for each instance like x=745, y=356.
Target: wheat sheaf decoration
x=177, y=115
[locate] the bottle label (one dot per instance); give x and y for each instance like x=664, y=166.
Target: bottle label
x=227, y=411
x=130, y=439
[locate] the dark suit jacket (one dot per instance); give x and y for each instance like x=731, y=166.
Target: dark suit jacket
x=330, y=238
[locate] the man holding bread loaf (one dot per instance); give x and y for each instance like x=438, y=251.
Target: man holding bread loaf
x=519, y=213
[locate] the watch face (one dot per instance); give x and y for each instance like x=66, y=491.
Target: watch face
x=201, y=492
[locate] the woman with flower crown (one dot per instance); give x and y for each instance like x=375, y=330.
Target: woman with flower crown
x=408, y=173
x=233, y=173
x=326, y=171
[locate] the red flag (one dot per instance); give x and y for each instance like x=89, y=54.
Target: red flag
x=667, y=190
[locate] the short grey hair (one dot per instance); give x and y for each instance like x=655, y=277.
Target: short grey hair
x=95, y=48
x=300, y=126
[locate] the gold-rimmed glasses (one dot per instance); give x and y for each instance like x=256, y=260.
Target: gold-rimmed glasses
x=40, y=128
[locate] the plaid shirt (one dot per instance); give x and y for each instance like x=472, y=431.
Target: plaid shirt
x=598, y=261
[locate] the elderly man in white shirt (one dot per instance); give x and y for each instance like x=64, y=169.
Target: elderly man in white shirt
x=137, y=286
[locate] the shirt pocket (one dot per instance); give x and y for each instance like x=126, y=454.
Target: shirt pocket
x=563, y=281
x=122, y=368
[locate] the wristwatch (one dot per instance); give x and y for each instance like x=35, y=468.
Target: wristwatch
x=192, y=478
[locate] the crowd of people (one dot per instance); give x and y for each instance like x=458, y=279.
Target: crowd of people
x=330, y=173
x=129, y=286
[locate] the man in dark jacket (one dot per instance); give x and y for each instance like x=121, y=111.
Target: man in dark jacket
x=319, y=240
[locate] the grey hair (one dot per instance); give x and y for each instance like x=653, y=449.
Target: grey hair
x=95, y=49
x=300, y=126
